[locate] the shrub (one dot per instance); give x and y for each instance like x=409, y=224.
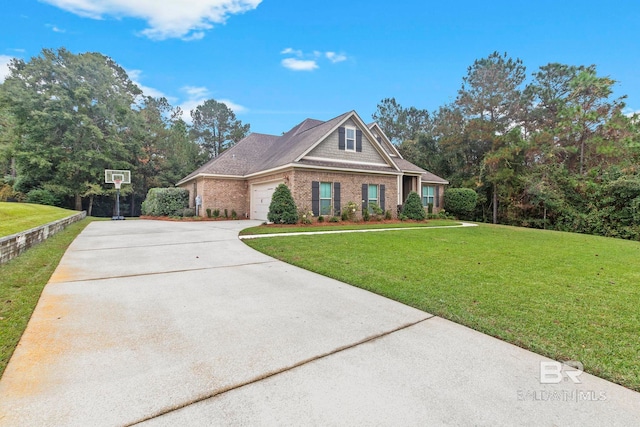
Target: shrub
x=334, y=219
x=166, y=202
x=189, y=212
x=6, y=192
x=282, y=209
x=461, y=202
x=234, y=215
x=375, y=210
x=216, y=213
x=226, y=213
x=365, y=215
x=320, y=218
x=43, y=197
x=208, y=212
x=349, y=212
x=430, y=208
x=305, y=216
x=412, y=208
x=387, y=215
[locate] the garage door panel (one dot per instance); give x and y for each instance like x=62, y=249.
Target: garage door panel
x=261, y=199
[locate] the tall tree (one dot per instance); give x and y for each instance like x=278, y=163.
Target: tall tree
x=491, y=99
x=216, y=128
x=8, y=139
x=71, y=113
x=401, y=124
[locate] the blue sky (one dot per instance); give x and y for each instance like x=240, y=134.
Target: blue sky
x=277, y=62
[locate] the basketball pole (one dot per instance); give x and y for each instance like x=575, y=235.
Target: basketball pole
x=117, y=217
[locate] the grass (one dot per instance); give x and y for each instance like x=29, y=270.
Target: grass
x=563, y=295
x=17, y=217
x=21, y=284
x=335, y=226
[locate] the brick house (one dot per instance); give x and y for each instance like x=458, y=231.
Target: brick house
x=324, y=164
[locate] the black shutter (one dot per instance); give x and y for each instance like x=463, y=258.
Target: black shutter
x=365, y=197
x=341, y=138
x=336, y=198
x=382, y=197
x=315, y=198
x=437, y=196
x=359, y=141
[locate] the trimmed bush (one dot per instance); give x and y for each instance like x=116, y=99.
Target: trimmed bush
x=165, y=202
x=43, y=197
x=413, y=208
x=460, y=202
x=282, y=209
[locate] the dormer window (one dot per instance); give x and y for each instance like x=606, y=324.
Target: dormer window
x=350, y=139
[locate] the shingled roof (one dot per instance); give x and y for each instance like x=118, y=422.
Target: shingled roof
x=259, y=152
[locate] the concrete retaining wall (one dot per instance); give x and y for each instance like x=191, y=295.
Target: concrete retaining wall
x=13, y=245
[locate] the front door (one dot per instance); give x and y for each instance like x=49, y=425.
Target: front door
x=407, y=186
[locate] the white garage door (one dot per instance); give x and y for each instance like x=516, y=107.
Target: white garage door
x=261, y=199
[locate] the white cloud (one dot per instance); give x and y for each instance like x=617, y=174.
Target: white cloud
x=308, y=62
x=197, y=95
x=166, y=18
x=290, y=51
x=299, y=64
x=4, y=67
x=335, y=57
x=236, y=108
x=56, y=29
x=135, y=76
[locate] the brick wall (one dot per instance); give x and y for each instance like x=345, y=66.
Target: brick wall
x=350, y=187
x=229, y=194
x=14, y=245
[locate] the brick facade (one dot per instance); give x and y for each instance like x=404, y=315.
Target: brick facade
x=235, y=194
x=219, y=193
x=350, y=187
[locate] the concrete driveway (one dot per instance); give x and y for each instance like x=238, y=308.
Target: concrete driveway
x=164, y=323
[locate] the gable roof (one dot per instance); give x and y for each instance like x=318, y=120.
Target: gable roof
x=384, y=140
x=258, y=153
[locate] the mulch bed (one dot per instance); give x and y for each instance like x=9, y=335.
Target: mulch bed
x=313, y=224
x=187, y=219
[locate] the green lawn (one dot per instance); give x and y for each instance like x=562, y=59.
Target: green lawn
x=335, y=226
x=22, y=281
x=17, y=217
x=566, y=296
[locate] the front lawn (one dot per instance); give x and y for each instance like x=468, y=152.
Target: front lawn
x=563, y=295
x=17, y=217
x=336, y=226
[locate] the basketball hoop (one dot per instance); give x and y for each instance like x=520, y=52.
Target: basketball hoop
x=117, y=177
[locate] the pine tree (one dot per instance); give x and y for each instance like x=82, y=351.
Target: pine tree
x=282, y=209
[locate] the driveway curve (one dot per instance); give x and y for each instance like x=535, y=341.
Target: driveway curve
x=180, y=323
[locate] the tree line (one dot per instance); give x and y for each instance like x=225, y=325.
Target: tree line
x=550, y=150
x=65, y=118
